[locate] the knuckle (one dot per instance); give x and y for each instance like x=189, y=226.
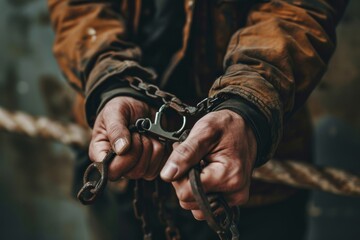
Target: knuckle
x=151, y=174
x=113, y=130
x=136, y=173
x=121, y=166
x=236, y=182
x=150, y=177
x=237, y=179
x=114, y=175
x=184, y=195
x=92, y=155
x=185, y=149
x=205, y=124
x=114, y=170
x=158, y=147
x=198, y=215
x=146, y=146
x=91, y=151
x=187, y=205
x=240, y=199
x=206, y=128
x=211, y=119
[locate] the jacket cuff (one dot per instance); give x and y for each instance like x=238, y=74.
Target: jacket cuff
x=256, y=120
x=109, y=74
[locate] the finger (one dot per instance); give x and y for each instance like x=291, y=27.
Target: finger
x=212, y=180
x=143, y=164
x=226, y=176
x=117, y=130
x=124, y=163
x=198, y=215
x=238, y=198
x=187, y=154
x=98, y=150
x=216, y=178
x=183, y=190
x=158, y=159
x=193, y=205
x=233, y=199
x=99, y=144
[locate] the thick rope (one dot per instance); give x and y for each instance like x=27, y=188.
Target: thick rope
x=19, y=122
x=303, y=175
x=292, y=173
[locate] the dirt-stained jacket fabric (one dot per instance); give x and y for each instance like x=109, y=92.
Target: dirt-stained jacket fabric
x=272, y=54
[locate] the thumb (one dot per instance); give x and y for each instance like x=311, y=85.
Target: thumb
x=187, y=154
x=118, y=133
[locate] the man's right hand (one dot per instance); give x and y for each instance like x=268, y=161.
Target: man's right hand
x=138, y=156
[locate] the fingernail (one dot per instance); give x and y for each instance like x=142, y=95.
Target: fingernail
x=169, y=171
x=120, y=145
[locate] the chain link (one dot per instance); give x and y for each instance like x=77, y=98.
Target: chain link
x=175, y=103
x=141, y=213
x=154, y=92
x=171, y=231
x=140, y=209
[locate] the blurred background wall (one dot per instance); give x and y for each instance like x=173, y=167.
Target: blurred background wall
x=36, y=175
x=335, y=107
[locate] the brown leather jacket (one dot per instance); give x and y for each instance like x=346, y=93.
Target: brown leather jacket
x=271, y=54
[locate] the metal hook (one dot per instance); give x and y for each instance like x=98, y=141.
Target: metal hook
x=156, y=129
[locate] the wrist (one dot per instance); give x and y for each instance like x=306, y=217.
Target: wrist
x=255, y=120
x=109, y=90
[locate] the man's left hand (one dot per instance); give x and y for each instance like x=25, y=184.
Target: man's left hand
x=228, y=146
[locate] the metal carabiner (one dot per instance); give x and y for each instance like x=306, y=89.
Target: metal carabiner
x=155, y=128
x=93, y=187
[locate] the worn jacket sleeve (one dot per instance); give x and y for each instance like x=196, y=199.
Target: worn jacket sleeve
x=276, y=60
x=92, y=47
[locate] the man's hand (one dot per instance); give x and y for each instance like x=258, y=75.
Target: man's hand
x=139, y=156
x=228, y=146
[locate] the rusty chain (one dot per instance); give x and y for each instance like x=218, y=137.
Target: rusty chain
x=171, y=100
x=142, y=214
x=171, y=231
x=293, y=173
x=140, y=210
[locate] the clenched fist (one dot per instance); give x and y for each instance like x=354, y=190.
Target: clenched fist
x=138, y=156
x=228, y=146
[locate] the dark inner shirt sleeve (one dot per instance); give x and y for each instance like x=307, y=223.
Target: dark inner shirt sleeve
x=256, y=121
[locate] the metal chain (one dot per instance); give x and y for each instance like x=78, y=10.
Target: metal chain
x=140, y=209
x=171, y=100
x=171, y=231
x=141, y=213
